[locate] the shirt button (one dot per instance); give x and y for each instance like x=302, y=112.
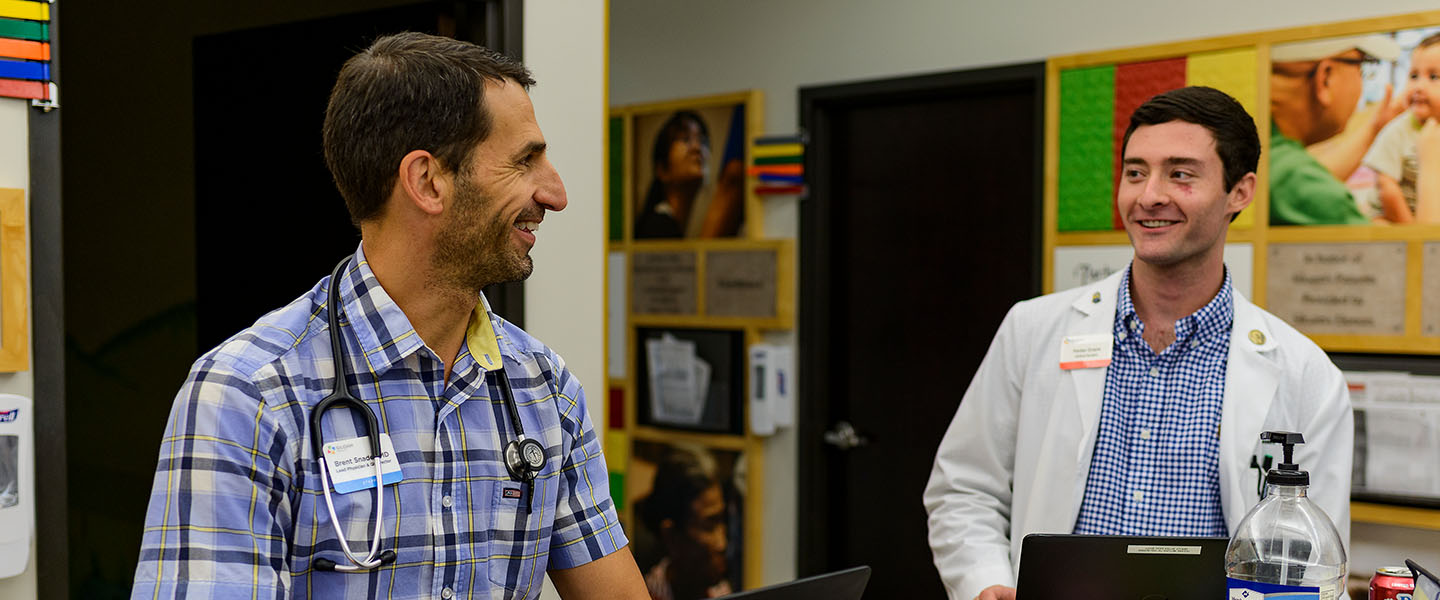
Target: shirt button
x=1194, y=343
x=1144, y=434
x=447, y=593
x=1122, y=334
x=446, y=502
x=1139, y=496
x=1154, y=371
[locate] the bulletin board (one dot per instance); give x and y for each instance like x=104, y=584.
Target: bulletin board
x=692, y=281
x=1355, y=282
x=1362, y=283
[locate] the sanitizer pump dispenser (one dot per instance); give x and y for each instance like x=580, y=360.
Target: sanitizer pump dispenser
x=1286, y=546
x=17, y=483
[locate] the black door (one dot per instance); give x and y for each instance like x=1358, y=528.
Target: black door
x=269, y=221
x=922, y=228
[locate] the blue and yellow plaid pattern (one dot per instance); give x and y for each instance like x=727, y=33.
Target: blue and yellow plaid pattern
x=236, y=509
x=1156, y=465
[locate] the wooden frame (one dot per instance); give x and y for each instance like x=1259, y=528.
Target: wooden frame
x=650, y=115
x=1259, y=233
x=14, y=293
x=620, y=239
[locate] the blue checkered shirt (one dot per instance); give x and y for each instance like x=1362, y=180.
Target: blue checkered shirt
x=1156, y=465
x=236, y=509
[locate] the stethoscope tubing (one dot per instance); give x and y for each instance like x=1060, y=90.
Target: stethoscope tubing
x=522, y=471
x=372, y=559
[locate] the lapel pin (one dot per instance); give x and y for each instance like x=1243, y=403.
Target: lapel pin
x=1257, y=338
x=1095, y=299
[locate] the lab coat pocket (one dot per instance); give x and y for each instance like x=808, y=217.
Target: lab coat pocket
x=515, y=542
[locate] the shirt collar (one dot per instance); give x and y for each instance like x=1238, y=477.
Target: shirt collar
x=383, y=331
x=386, y=334
x=1215, y=318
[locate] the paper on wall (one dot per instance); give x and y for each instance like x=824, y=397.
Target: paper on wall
x=676, y=373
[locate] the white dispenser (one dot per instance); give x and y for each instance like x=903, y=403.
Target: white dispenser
x=17, y=483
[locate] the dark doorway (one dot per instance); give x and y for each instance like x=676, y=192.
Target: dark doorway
x=152, y=284
x=265, y=203
x=921, y=229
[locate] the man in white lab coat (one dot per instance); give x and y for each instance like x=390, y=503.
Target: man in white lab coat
x=1134, y=406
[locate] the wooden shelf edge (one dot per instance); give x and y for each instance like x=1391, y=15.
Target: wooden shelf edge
x=1388, y=514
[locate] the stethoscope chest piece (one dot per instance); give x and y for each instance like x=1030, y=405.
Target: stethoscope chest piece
x=524, y=458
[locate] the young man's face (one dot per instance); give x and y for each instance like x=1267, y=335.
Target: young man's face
x=498, y=201
x=1172, y=195
x=1423, y=89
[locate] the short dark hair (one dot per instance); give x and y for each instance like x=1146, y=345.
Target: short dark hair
x=408, y=91
x=1430, y=40
x=1236, y=140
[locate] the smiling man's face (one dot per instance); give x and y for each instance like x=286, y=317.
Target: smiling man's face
x=1172, y=194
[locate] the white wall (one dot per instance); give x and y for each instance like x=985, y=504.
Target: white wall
x=15, y=173
x=565, y=50
x=664, y=49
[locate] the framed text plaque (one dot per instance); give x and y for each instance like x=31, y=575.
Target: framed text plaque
x=663, y=283
x=1344, y=288
x=1430, y=291
x=740, y=283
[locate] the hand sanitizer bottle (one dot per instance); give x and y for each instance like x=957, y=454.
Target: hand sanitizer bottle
x=1286, y=547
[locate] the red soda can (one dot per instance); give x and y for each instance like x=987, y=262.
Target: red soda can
x=1392, y=583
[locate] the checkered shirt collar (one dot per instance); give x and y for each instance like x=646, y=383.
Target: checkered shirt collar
x=1213, y=319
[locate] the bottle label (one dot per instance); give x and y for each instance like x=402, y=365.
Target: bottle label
x=1239, y=589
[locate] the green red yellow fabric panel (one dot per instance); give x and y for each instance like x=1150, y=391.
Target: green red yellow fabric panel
x=1095, y=107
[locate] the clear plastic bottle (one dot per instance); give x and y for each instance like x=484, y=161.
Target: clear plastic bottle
x=1286, y=544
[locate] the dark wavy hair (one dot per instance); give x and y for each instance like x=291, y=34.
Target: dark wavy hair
x=408, y=91
x=1236, y=140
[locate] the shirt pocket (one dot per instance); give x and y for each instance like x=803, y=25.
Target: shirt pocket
x=515, y=550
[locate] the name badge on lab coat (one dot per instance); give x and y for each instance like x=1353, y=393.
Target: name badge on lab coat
x=1086, y=351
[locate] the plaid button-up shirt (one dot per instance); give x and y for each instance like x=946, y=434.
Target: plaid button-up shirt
x=1156, y=465
x=236, y=509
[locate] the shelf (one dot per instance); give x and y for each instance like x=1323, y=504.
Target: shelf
x=1388, y=514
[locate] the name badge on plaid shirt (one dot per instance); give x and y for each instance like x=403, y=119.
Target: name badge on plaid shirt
x=351, y=469
x=1086, y=351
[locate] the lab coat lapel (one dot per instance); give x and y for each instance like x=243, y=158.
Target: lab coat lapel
x=1251, y=377
x=1097, y=308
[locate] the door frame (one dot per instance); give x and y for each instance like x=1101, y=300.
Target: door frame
x=817, y=105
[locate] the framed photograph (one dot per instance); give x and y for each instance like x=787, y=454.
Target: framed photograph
x=14, y=273
x=690, y=379
x=686, y=166
x=1348, y=114
x=688, y=520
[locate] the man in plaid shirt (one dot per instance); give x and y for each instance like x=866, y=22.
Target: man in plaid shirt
x=434, y=145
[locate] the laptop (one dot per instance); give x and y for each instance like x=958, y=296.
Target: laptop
x=1121, y=567
x=848, y=584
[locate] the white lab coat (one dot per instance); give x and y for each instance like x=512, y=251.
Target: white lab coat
x=1015, y=459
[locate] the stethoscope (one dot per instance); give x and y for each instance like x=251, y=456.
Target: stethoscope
x=524, y=457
